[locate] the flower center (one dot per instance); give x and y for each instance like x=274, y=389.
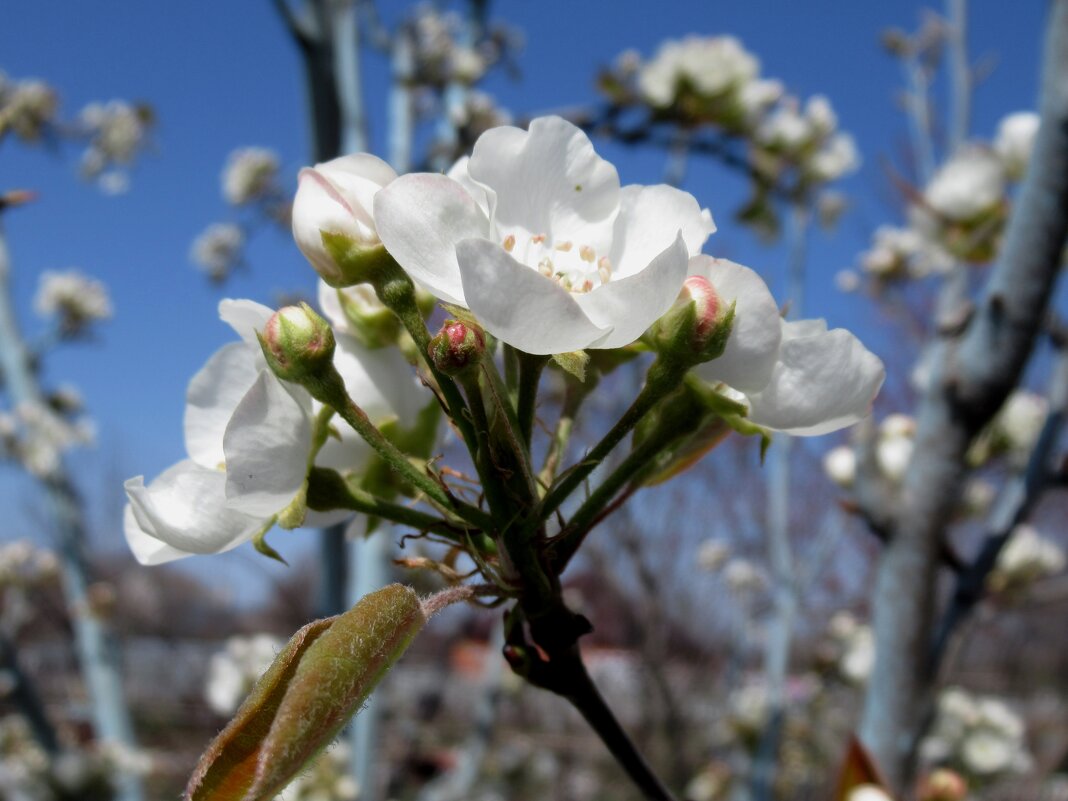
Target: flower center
x=576, y=267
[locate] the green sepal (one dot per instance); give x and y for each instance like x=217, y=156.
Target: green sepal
x=259, y=542
x=573, y=363
x=357, y=263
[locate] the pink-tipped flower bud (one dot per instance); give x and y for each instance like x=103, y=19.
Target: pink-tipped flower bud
x=943, y=785
x=333, y=223
x=696, y=328
x=457, y=347
x=297, y=343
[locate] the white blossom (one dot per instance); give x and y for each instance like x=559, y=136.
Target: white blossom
x=567, y=260
x=980, y=735
x=248, y=437
x=837, y=156
x=796, y=377
x=868, y=792
x=73, y=298
x=27, y=107
x=968, y=186
x=233, y=670
x=1015, y=140
x=713, y=554
x=218, y=249
x=741, y=575
x=840, y=465
x=708, y=66
x=250, y=174
x=1026, y=558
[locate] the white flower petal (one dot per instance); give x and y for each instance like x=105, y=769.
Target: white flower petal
x=420, y=218
x=483, y=195
x=246, y=317
x=380, y=381
x=211, y=397
x=185, y=508
x=649, y=218
x=547, y=179
x=631, y=304
x=753, y=347
x=823, y=381
x=267, y=444
x=520, y=306
x=147, y=550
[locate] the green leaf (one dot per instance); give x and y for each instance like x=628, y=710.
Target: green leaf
x=573, y=363
x=318, y=682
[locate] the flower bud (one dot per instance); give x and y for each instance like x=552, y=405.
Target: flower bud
x=943, y=785
x=297, y=343
x=696, y=328
x=457, y=347
x=333, y=223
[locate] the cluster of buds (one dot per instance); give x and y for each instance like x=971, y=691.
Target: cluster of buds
x=960, y=214
x=27, y=108
x=893, y=450
x=74, y=300
x=850, y=648
x=979, y=736
x=218, y=250
x=443, y=50
x=117, y=132
x=1027, y=557
x=36, y=435
x=713, y=81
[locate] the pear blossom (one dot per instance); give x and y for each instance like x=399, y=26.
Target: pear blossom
x=250, y=174
x=840, y=465
x=76, y=300
x=1026, y=558
x=27, y=107
x=837, y=156
x=708, y=66
x=1014, y=141
x=713, y=554
x=248, y=436
x=233, y=670
x=968, y=186
x=979, y=735
x=337, y=197
x=218, y=249
x=535, y=236
x=794, y=377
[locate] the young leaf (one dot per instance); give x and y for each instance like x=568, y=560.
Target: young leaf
x=573, y=363
x=228, y=767
x=334, y=677
x=318, y=681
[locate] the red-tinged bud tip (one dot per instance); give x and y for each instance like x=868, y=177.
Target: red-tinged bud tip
x=297, y=342
x=696, y=328
x=458, y=346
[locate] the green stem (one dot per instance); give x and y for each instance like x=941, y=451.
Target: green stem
x=396, y=290
x=639, y=461
x=328, y=490
x=664, y=377
x=508, y=424
x=573, y=397
x=490, y=476
x=530, y=368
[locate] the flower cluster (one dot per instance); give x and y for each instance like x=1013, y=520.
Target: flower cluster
x=250, y=174
x=961, y=212
x=251, y=439
x=1026, y=558
x=233, y=670
x=714, y=81
x=442, y=52
x=27, y=108
x=1013, y=432
x=218, y=250
x=893, y=450
x=36, y=436
x=980, y=736
x=852, y=648
x=117, y=132
x=73, y=299
x=23, y=564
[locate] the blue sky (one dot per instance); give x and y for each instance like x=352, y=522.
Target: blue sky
x=223, y=74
